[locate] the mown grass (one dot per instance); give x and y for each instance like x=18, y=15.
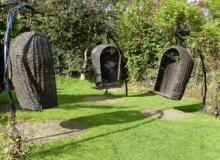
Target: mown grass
x=121, y=132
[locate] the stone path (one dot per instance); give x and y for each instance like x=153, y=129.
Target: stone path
x=104, y=99
x=167, y=114
x=46, y=131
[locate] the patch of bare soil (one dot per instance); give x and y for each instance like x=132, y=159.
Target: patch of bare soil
x=104, y=99
x=140, y=87
x=167, y=114
x=194, y=92
x=114, y=89
x=47, y=131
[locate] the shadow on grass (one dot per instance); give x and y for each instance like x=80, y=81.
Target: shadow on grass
x=97, y=120
x=111, y=118
x=147, y=94
x=67, y=99
x=190, y=108
x=89, y=106
x=4, y=107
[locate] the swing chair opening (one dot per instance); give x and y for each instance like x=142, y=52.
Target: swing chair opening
x=174, y=72
x=106, y=60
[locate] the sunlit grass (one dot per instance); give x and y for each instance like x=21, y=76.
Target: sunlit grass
x=120, y=132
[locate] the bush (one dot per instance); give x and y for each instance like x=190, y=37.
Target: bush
x=209, y=42
x=142, y=43
x=12, y=143
x=170, y=10
x=72, y=28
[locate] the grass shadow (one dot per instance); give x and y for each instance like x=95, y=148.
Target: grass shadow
x=133, y=116
x=150, y=93
x=67, y=99
x=190, y=108
x=111, y=118
x=89, y=106
x=4, y=107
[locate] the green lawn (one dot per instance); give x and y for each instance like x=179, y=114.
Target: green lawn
x=121, y=132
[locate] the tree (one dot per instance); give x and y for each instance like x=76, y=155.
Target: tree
x=73, y=27
x=208, y=40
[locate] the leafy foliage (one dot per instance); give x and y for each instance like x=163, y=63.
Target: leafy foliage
x=214, y=8
x=141, y=41
x=209, y=42
x=72, y=27
x=13, y=145
x=170, y=10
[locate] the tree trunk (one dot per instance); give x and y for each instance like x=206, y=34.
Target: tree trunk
x=83, y=73
x=82, y=76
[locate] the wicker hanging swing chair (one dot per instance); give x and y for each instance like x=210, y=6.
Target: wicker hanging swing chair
x=174, y=72
x=29, y=62
x=33, y=73
x=106, y=60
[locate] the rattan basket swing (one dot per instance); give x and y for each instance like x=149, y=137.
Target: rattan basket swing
x=33, y=73
x=174, y=72
x=106, y=60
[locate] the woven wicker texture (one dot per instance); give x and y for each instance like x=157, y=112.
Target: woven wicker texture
x=106, y=61
x=174, y=72
x=33, y=72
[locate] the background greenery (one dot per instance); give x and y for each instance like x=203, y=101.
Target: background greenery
x=143, y=28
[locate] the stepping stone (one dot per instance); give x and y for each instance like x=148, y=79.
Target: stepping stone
x=104, y=99
x=167, y=114
x=47, y=131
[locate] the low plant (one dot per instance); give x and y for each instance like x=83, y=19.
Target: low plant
x=12, y=142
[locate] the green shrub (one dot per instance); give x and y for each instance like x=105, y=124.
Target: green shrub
x=142, y=43
x=12, y=143
x=167, y=15
x=209, y=42
x=171, y=10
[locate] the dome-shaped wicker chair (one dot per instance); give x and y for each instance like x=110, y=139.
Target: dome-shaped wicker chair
x=33, y=73
x=174, y=72
x=106, y=60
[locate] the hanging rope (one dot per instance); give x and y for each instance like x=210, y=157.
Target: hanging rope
x=204, y=87
x=10, y=19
